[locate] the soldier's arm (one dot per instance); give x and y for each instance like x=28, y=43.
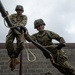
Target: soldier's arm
x=60, y=39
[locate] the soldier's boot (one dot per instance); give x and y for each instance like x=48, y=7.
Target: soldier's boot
x=73, y=73
x=49, y=73
x=13, y=63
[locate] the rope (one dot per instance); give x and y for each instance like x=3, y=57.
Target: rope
x=29, y=51
x=10, y=27
x=7, y=25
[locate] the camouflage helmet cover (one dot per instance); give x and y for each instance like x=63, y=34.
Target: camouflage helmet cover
x=19, y=7
x=38, y=22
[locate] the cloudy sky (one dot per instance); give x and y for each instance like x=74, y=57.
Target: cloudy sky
x=59, y=16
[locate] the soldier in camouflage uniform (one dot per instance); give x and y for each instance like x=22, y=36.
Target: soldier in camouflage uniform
x=45, y=37
x=18, y=19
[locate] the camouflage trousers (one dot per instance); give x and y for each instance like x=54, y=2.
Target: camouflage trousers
x=62, y=64
x=14, y=50
x=61, y=61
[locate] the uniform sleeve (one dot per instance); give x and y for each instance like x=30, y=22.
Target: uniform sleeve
x=57, y=37
x=23, y=22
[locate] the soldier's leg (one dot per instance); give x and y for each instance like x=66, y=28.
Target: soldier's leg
x=65, y=68
x=69, y=69
x=56, y=65
x=20, y=45
x=62, y=64
x=9, y=44
x=10, y=49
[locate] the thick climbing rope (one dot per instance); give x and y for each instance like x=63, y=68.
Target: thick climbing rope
x=10, y=27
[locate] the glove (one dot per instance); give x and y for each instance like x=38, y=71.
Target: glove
x=19, y=29
x=24, y=28
x=60, y=46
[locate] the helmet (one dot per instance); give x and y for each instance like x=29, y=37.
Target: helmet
x=19, y=7
x=38, y=22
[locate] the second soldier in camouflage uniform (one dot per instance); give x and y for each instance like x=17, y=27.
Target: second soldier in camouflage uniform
x=18, y=19
x=45, y=37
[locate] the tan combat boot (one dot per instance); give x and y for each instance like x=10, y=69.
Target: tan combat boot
x=13, y=63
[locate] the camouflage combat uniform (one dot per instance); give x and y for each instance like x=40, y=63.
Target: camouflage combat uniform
x=60, y=58
x=18, y=21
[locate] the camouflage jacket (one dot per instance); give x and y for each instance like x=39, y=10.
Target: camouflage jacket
x=18, y=21
x=46, y=38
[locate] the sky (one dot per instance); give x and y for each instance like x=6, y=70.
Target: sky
x=59, y=16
